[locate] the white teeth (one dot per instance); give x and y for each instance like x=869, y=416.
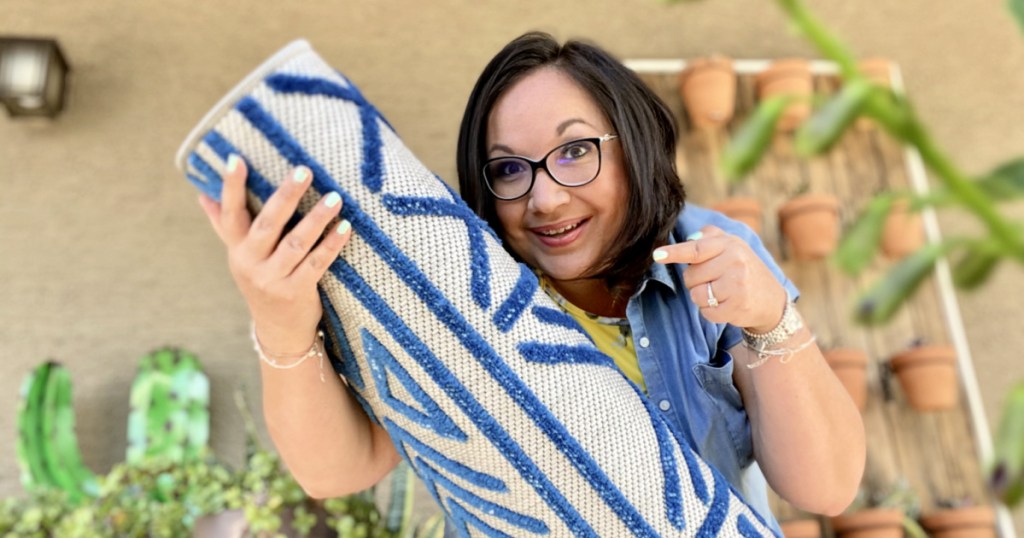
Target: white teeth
x=561, y=230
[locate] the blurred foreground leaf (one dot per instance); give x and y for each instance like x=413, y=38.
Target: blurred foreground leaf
x=1006, y=181
x=880, y=302
x=821, y=131
x=748, y=145
x=1006, y=477
x=975, y=265
x=860, y=242
x=1017, y=8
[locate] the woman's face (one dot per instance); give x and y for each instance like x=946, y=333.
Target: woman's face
x=563, y=231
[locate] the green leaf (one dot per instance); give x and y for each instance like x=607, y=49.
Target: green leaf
x=885, y=297
x=1017, y=8
x=861, y=241
x=750, y=142
x=1006, y=475
x=975, y=265
x=1006, y=181
x=821, y=131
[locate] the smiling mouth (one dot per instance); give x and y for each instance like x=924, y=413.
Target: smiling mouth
x=559, y=231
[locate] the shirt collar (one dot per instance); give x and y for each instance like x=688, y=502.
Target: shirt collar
x=659, y=272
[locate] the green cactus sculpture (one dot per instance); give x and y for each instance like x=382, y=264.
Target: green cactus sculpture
x=169, y=414
x=47, y=447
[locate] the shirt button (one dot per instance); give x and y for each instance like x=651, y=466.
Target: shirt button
x=664, y=405
x=644, y=341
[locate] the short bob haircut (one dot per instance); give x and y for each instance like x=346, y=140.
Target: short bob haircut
x=646, y=129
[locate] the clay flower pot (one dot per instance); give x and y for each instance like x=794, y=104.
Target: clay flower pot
x=788, y=77
x=903, y=232
x=850, y=366
x=872, y=523
x=878, y=71
x=801, y=528
x=811, y=224
x=966, y=522
x=708, y=89
x=742, y=208
x=927, y=375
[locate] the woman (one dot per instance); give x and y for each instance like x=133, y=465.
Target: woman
x=570, y=158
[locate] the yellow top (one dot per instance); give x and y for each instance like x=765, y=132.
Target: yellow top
x=611, y=335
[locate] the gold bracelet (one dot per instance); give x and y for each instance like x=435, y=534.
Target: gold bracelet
x=786, y=353
x=316, y=350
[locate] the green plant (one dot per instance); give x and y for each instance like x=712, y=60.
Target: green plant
x=171, y=479
x=976, y=257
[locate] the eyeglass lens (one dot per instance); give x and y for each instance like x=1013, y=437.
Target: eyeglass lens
x=572, y=164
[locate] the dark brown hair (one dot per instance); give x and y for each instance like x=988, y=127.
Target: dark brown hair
x=645, y=126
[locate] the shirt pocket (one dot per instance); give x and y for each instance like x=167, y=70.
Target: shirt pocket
x=726, y=407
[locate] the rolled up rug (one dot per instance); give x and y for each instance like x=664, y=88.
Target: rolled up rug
x=513, y=420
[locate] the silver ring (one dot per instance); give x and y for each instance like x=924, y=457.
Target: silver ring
x=712, y=301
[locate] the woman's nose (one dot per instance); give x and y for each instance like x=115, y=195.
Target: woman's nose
x=547, y=194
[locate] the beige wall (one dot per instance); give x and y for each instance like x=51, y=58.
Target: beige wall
x=104, y=254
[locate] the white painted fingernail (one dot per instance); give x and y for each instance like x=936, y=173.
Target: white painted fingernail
x=332, y=199
x=300, y=174
x=343, y=227
x=659, y=255
x=232, y=163
x=695, y=236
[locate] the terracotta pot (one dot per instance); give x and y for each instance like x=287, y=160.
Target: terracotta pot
x=873, y=523
x=903, y=233
x=811, y=223
x=927, y=375
x=788, y=77
x=744, y=209
x=708, y=89
x=850, y=366
x=879, y=71
x=801, y=528
x=967, y=522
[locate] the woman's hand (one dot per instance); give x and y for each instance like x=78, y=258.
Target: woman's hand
x=277, y=273
x=747, y=292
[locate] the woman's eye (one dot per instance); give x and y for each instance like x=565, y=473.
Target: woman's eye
x=507, y=170
x=576, y=150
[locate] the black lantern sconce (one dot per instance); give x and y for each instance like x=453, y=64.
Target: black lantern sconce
x=32, y=75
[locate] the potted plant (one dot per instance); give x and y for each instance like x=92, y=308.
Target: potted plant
x=927, y=375
x=850, y=366
x=708, y=88
x=745, y=209
x=960, y=518
x=788, y=77
x=810, y=223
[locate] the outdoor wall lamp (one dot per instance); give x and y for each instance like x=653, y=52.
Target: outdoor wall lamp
x=31, y=76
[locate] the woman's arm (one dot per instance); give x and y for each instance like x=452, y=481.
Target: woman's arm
x=323, y=435
x=808, y=435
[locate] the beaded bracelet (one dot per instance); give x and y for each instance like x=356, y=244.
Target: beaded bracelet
x=316, y=350
x=786, y=353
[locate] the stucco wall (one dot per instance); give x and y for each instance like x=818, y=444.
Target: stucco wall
x=104, y=254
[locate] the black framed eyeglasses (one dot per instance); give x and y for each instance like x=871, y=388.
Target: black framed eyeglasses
x=572, y=164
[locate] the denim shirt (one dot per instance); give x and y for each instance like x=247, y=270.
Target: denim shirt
x=687, y=369
x=686, y=366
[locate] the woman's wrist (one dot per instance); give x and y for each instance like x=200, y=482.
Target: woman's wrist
x=280, y=341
